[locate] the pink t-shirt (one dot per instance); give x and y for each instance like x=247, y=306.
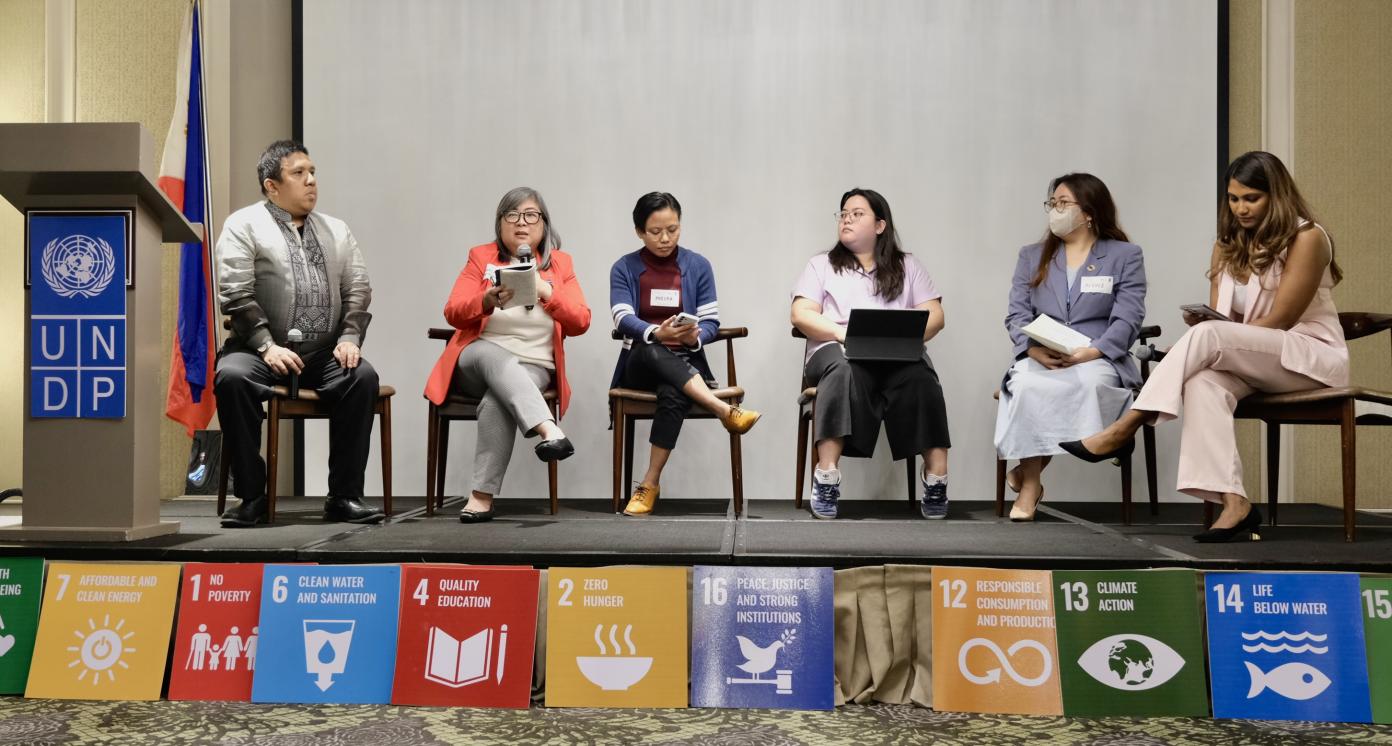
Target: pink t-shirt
x=839, y=292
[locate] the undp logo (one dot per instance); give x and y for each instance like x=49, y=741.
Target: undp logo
x=78, y=265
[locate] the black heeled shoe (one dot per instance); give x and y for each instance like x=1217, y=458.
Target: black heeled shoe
x=558, y=449
x=1076, y=448
x=1247, y=526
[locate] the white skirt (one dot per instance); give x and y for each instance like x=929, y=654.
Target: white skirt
x=1040, y=408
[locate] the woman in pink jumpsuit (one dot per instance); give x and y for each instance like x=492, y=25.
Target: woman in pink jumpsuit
x=1271, y=275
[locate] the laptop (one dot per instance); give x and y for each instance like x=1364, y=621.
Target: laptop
x=884, y=334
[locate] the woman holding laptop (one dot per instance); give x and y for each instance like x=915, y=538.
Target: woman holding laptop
x=663, y=300
x=1085, y=276
x=867, y=269
x=1271, y=279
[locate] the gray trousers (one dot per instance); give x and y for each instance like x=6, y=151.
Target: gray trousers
x=510, y=401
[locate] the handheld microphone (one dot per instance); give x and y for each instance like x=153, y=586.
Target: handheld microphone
x=293, y=338
x=524, y=254
x=1147, y=353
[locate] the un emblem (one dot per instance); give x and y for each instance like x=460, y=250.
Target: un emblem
x=78, y=266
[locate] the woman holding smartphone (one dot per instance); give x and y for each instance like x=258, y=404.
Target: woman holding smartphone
x=663, y=300
x=1271, y=278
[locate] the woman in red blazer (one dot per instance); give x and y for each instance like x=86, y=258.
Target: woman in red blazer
x=507, y=353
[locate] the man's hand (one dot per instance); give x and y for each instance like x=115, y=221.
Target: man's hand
x=1083, y=355
x=282, y=360
x=348, y=355
x=1047, y=357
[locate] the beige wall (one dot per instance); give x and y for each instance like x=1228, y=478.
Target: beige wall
x=1244, y=134
x=1343, y=158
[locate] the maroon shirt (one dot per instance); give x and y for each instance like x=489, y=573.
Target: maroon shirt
x=659, y=287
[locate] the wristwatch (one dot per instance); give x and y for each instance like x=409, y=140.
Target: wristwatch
x=265, y=346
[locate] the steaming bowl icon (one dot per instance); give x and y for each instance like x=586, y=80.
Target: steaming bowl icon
x=614, y=673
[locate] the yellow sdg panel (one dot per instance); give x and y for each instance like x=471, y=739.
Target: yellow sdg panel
x=616, y=637
x=103, y=631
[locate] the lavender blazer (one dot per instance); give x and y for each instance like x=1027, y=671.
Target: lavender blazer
x=1113, y=320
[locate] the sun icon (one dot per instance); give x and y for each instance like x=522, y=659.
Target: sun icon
x=101, y=649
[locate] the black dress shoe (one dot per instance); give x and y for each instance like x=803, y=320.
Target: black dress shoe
x=554, y=450
x=350, y=510
x=475, y=516
x=1076, y=448
x=1247, y=527
x=247, y=514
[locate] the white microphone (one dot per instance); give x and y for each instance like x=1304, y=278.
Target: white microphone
x=524, y=254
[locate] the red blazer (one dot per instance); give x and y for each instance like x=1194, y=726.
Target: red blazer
x=464, y=311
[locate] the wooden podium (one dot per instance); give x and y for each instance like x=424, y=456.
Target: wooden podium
x=91, y=372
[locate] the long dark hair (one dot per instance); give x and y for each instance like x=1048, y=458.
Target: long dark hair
x=1241, y=250
x=1095, y=200
x=889, y=258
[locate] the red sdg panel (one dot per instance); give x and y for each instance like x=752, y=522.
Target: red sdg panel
x=466, y=636
x=216, y=640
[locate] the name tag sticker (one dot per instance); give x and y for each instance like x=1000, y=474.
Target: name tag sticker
x=1097, y=284
x=667, y=298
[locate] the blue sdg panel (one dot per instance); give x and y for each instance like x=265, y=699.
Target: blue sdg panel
x=328, y=634
x=762, y=637
x=1287, y=646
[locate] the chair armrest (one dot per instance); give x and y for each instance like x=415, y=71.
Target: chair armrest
x=797, y=333
x=1149, y=332
x=1357, y=324
x=437, y=333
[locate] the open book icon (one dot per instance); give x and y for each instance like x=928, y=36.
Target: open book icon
x=456, y=663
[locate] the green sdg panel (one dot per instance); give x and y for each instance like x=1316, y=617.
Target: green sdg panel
x=21, y=590
x=1130, y=642
x=1377, y=631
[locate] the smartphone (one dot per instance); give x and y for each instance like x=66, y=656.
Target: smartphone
x=685, y=319
x=1204, y=311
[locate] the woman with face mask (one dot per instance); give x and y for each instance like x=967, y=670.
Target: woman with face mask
x=867, y=269
x=1083, y=274
x=663, y=300
x=1272, y=274
x=505, y=354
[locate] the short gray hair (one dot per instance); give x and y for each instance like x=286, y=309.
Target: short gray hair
x=550, y=238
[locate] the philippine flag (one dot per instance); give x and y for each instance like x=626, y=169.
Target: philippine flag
x=183, y=177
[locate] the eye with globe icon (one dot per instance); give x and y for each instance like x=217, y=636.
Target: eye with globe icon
x=1131, y=662
x=78, y=265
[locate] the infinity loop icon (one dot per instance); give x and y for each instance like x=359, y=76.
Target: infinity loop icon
x=994, y=675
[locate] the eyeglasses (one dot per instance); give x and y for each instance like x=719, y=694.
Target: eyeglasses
x=530, y=217
x=659, y=232
x=1058, y=204
x=853, y=216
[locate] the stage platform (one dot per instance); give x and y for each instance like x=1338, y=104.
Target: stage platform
x=1068, y=535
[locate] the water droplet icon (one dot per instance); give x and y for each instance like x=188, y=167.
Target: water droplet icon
x=326, y=653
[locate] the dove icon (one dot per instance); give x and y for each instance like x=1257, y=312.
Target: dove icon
x=760, y=659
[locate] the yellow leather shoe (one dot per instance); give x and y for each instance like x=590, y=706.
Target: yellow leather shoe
x=643, y=500
x=740, y=420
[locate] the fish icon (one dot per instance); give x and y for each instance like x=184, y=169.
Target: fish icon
x=1300, y=681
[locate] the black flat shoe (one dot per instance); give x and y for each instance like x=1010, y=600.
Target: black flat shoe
x=555, y=450
x=246, y=515
x=475, y=516
x=1247, y=527
x=1075, y=447
x=350, y=510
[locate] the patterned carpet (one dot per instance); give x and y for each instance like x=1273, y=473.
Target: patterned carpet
x=40, y=723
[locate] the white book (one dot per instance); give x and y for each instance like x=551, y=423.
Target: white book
x=457, y=663
x=1055, y=336
x=521, y=279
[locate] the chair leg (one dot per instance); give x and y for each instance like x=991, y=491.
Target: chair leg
x=432, y=437
x=1000, y=488
x=616, y=417
x=801, y=459
x=812, y=446
x=272, y=456
x=1349, y=445
x=909, y=464
x=222, y=477
x=1126, y=490
x=386, y=457
x=1148, y=433
x=1273, y=468
x=441, y=459
x=630, y=435
x=552, y=467
x=737, y=473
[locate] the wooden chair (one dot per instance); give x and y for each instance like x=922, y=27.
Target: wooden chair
x=460, y=407
x=807, y=442
x=1326, y=406
x=1147, y=431
x=627, y=406
x=308, y=407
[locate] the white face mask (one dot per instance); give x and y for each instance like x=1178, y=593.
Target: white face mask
x=1064, y=222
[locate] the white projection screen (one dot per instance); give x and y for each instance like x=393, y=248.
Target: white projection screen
x=757, y=115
